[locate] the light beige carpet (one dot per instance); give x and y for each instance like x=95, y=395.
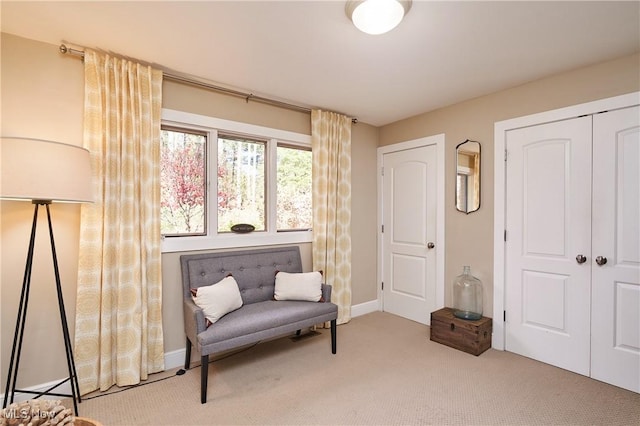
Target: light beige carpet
x=386, y=372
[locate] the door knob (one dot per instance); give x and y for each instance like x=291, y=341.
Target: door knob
x=601, y=260
x=581, y=259
x=430, y=245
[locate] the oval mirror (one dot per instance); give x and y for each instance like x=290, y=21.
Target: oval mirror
x=468, y=176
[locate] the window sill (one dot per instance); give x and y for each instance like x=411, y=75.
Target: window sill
x=178, y=244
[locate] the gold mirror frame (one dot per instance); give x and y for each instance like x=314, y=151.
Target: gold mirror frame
x=468, y=176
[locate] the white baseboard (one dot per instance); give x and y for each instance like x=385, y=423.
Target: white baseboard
x=63, y=388
x=364, y=308
x=173, y=359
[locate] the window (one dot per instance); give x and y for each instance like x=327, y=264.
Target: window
x=182, y=182
x=241, y=192
x=462, y=183
x=218, y=173
x=294, y=188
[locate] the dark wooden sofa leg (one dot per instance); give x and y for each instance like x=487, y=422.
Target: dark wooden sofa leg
x=204, y=375
x=187, y=357
x=333, y=336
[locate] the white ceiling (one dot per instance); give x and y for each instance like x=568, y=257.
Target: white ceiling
x=309, y=53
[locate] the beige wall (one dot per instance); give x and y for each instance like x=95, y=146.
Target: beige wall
x=469, y=238
x=42, y=97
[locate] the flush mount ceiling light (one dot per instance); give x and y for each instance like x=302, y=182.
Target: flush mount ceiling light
x=377, y=16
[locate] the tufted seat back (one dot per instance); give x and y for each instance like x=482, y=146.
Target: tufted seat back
x=253, y=270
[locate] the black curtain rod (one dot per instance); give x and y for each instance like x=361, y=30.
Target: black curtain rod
x=201, y=84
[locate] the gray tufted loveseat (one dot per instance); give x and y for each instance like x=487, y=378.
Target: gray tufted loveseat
x=260, y=317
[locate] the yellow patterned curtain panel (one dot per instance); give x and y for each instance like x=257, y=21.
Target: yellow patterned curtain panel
x=118, y=331
x=331, y=168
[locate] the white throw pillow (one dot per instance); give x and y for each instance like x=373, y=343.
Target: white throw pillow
x=218, y=299
x=305, y=286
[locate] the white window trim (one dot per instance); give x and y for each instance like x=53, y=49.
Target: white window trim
x=213, y=240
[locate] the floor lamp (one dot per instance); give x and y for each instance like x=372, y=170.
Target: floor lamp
x=42, y=172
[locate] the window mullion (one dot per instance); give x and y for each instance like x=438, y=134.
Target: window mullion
x=272, y=187
x=212, y=183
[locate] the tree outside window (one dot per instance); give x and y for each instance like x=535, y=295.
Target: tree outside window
x=183, y=182
x=241, y=183
x=294, y=188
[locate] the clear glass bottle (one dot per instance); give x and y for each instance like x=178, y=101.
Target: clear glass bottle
x=467, y=296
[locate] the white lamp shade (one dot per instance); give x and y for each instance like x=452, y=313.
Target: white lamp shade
x=377, y=16
x=34, y=169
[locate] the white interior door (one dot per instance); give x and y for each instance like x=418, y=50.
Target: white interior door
x=548, y=224
x=409, y=204
x=615, y=321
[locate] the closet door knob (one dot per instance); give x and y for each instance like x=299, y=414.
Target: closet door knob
x=430, y=245
x=581, y=259
x=601, y=260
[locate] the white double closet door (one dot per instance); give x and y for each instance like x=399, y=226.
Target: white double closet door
x=572, y=270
